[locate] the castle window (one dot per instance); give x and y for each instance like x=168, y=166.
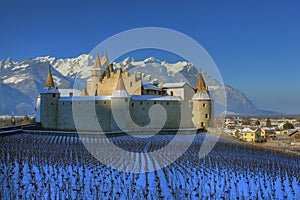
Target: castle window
x=132, y=104
x=130, y=83
x=202, y=124
x=52, y=104
x=204, y=105
x=104, y=102
x=172, y=93
x=63, y=103
x=206, y=116
x=167, y=103
x=141, y=103
x=53, y=95
x=154, y=102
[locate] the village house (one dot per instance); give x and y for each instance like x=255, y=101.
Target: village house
x=268, y=133
x=250, y=134
x=295, y=137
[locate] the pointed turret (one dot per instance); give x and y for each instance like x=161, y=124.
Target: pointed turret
x=97, y=63
x=104, y=62
x=201, y=84
x=49, y=103
x=202, y=92
x=120, y=85
x=49, y=81
x=120, y=90
x=96, y=76
x=84, y=93
x=202, y=106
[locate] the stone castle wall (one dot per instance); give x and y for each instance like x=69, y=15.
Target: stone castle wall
x=89, y=114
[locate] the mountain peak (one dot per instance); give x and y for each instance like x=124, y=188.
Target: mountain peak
x=29, y=75
x=152, y=60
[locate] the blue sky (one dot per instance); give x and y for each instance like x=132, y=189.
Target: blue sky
x=256, y=45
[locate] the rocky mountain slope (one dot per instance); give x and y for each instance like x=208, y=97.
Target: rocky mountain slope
x=20, y=82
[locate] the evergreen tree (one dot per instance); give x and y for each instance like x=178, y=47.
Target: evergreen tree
x=257, y=123
x=288, y=126
x=268, y=123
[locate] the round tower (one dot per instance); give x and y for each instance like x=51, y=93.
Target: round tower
x=202, y=106
x=48, y=104
x=96, y=76
x=120, y=100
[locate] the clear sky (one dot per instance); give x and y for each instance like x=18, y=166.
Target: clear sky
x=255, y=44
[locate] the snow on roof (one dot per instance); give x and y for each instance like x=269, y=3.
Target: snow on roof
x=201, y=95
x=133, y=97
x=149, y=86
x=66, y=92
x=268, y=128
x=120, y=93
x=173, y=85
x=85, y=98
x=49, y=90
x=155, y=98
x=247, y=129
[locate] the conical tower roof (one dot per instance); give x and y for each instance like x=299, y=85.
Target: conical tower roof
x=120, y=90
x=84, y=93
x=104, y=59
x=120, y=85
x=97, y=63
x=202, y=92
x=49, y=81
x=201, y=84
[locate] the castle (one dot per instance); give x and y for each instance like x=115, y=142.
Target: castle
x=116, y=101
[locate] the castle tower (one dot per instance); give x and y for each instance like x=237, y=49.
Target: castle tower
x=202, y=106
x=49, y=103
x=120, y=100
x=96, y=75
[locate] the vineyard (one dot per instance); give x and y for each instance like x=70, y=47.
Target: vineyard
x=59, y=167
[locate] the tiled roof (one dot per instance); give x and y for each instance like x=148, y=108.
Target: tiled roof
x=49, y=81
x=120, y=90
x=97, y=63
x=201, y=84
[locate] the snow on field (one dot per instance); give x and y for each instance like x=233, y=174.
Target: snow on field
x=59, y=167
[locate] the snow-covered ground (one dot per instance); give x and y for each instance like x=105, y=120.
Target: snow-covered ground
x=59, y=167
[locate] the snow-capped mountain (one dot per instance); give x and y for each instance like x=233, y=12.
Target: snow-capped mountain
x=20, y=82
